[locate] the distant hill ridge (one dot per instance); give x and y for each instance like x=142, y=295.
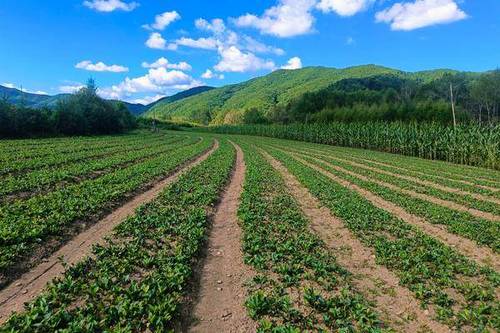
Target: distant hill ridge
x=18, y=97
x=276, y=88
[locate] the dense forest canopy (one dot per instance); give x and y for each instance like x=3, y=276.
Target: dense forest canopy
x=392, y=98
x=83, y=113
x=361, y=93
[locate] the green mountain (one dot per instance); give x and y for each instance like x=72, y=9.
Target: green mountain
x=225, y=104
x=36, y=101
x=180, y=95
x=17, y=97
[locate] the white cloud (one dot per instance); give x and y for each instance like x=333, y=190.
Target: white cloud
x=288, y=18
x=293, y=63
x=13, y=86
x=156, y=41
x=234, y=60
x=216, y=26
x=69, y=89
x=350, y=41
x=163, y=20
x=100, y=67
x=110, y=5
x=157, y=80
x=252, y=45
x=421, y=13
x=146, y=99
x=211, y=75
x=200, y=43
x=343, y=7
x=163, y=62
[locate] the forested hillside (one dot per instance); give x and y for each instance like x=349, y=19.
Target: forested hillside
x=363, y=93
x=38, y=101
x=266, y=94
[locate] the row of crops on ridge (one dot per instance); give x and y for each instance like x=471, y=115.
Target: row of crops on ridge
x=468, y=144
x=430, y=228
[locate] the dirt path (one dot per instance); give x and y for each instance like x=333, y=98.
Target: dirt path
x=32, y=283
x=481, y=255
x=219, y=307
x=412, y=179
x=492, y=189
x=416, y=180
x=426, y=197
x=396, y=304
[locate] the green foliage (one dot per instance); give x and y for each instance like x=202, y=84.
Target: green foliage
x=26, y=223
x=83, y=113
x=462, y=292
x=137, y=282
x=275, y=91
x=300, y=286
x=467, y=144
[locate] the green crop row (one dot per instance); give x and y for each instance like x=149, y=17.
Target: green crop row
x=137, y=282
x=50, y=160
x=476, y=175
x=299, y=286
x=468, y=144
x=41, y=180
x=25, y=224
x=411, y=170
x=462, y=293
x=34, y=145
x=482, y=231
x=465, y=200
x=19, y=152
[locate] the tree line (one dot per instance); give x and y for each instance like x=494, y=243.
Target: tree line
x=82, y=113
x=452, y=98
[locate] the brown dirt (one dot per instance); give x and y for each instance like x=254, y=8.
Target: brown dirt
x=23, y=195
x=493, y=189
x=420, y=181
x=32, y=283
x=441, y=202
x=481, y=255
x=219, y=306
x=396, y=304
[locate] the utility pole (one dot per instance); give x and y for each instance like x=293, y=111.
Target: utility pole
x=453, y=106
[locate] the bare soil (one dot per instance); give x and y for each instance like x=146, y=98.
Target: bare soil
x=32, y=283
x=480, y=254
x=396, y=304
x=423, y=182
x=441, y=202
x=219, y=303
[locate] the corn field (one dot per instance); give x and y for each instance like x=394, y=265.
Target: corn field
x=467, y=144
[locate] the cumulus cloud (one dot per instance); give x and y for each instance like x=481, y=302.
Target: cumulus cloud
x=100, y=67
x=69, y=89
x=216, y=26
x=287, y=19
x=211, y=75
x=293, y=63
x=420, y=13
x=200, y=43
x=146, y=99
x=158, y=80
x=163, y=20
x=110, y=5
x=163, y=62
x=344, y=7
x=234, y=60
x=156, y=41
x=253, y=45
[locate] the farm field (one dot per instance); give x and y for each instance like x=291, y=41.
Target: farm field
x=202, y=232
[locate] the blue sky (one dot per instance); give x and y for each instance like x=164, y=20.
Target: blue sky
x=139, y=50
